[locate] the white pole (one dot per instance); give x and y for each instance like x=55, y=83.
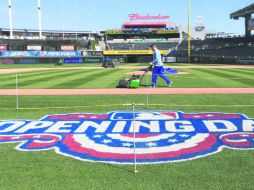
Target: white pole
x=134, y=138
x=10, y=19
x=62, y=12
x=189, y=32
x=147, y=100
x=134, y=133
x=76, y=18
x=39, y=17
x=17, y=92
x=89, y=22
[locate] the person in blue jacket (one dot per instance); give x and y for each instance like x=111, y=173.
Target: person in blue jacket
x=158, y=69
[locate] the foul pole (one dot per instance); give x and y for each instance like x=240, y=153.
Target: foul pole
x=39, y=17
x=189, y=33
x=10, y=18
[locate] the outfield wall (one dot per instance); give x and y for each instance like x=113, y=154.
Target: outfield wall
x=47, y=57
x=48, y=60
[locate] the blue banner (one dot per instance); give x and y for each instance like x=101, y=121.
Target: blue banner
x=59, y=53
x=41, y=54
x=73, y=60
x=19, y=53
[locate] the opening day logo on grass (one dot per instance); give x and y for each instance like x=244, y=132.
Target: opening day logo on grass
x=158, y=136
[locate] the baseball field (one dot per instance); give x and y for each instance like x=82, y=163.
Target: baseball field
x=32, y=92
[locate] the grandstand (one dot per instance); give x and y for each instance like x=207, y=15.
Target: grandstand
x=218, y=50
x=246, y=14
x=221, y=47
x=52, y=39
x=46, y=45
x=132, y=41
x=137, y=37
x=32, y=34
x=140, y=36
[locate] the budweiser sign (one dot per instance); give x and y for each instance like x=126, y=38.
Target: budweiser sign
x=137, y=17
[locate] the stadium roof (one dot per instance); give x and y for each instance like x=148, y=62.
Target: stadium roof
x=47, y=31
x=243, y=12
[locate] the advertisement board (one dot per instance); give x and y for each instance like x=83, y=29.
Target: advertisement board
x=167, y=31
x=169, y=59
x=251, y=24
x=49, y=60
x=137, y=17
x=59, y=54
x=7, y=61
x=115, y=32
x=92, y=53
x=34, y=48
x=41, y=53
x=3, y=47
x=93, y=60
x=67, y=48
x=18, y=54
x=26, y=61
x=73, y=60
x=131, y=52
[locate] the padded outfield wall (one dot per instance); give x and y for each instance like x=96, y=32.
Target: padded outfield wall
x=48, y=57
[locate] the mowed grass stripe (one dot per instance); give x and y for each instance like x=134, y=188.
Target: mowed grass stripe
x=11, y=78
x=108, y=79
x=35, y=80
x=247, y=71
x=239, y=74
x=29, y=73
x=41, y=73
x=219, y=78
x=82, y=79
x=53, y=81
x=232, y=77
x=7, y=79
x=196, y=79
x=73, y=81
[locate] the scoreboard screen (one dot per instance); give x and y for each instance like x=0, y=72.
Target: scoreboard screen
x=251, y=24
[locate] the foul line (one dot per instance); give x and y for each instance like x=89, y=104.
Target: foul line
x=110, y=105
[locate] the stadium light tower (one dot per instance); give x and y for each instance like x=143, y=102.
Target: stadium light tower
x=39, y=17
x=10, y=18
x=189, y=33
x=62, y=18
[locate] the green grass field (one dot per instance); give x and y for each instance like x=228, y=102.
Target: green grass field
x=83, y=78
x=229, y=169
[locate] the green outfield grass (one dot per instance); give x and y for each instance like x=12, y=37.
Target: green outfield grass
x=229, y=169
x=34, y=107
x=52, y=65
x=81, y=78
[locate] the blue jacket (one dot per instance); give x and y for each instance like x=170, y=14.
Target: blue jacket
x=157, y=58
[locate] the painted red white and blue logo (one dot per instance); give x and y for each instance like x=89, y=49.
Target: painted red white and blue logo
x=160, y=136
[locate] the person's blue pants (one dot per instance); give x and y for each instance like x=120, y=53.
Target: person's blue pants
x=159, y=71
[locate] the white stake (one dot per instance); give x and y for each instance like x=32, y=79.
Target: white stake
x=134, y=138
x=147, y=101
x=17, y=92
x=134, y=133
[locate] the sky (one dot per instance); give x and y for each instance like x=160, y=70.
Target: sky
x=99, y=15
